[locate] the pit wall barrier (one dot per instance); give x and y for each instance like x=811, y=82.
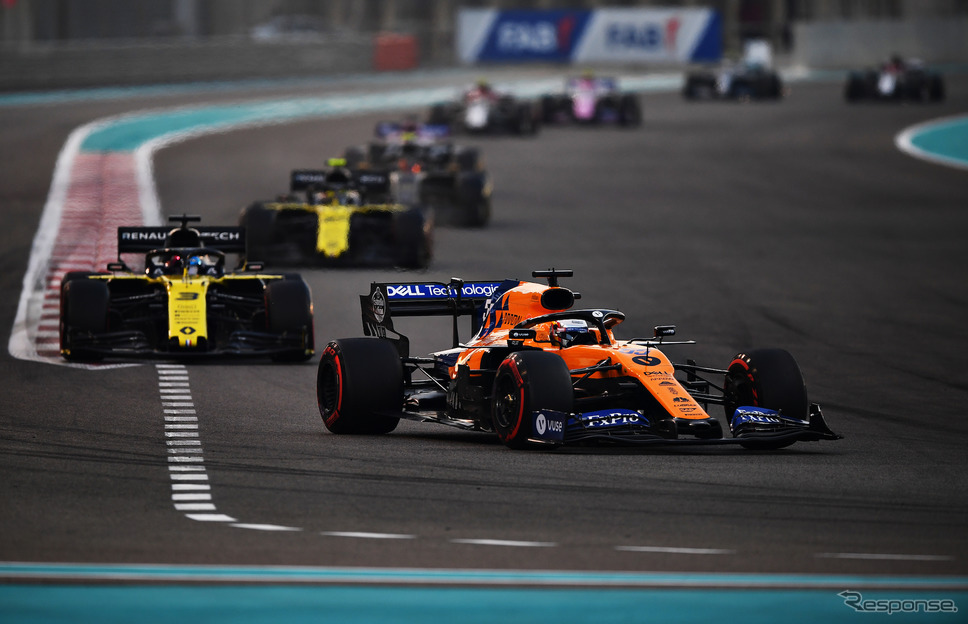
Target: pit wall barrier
x=393, y=52
x=38, y=66
x=609, y=35
x=854, y=43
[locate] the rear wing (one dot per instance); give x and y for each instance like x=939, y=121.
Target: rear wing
x=455, y=299
x=366, y=181
x=142, y=239
x=387, y=129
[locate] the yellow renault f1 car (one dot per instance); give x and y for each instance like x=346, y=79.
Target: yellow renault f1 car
x=184, y=302
x=341, y=218
x=539, y=373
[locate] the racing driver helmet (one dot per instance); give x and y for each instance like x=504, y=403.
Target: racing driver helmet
x=174, y=265
x=568, y=332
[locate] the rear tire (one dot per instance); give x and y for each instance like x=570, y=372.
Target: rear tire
x=936, y=89
x=527, y=381
x=768, y=378
x=357, y=377
x=629, y=112
x=414, y=239
x=260, y=224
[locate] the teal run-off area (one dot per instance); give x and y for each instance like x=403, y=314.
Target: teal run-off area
x=942, y=141
x=246, y=604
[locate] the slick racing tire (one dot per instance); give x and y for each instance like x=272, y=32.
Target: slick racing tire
x=935, y=89
x=768, y=378
x=629, y=111
x=478, y=212
x=527, y=381
x=525, y=123
x=414, y=239
x=84, y=310
x=259, y=223
x=854, y=90
x=289, y=308
x=356, y=378
x=468, y=159
x=474, y=198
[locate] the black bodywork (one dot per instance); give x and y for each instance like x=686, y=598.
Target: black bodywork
x=123, y=312
x=375, y=229
x=745, y=82
x=895, y=81
x=434, y=173
x=505, y=114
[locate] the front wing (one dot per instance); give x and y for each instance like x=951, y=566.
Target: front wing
x=620, y=427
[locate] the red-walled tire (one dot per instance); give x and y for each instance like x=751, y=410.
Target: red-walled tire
x=527, y=381
x=357, y=379
x=768, y=378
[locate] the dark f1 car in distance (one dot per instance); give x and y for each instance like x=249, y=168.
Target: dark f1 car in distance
x=338, y=217
x=753, y=78
x=483, y=109
x=184, y=302
x=894, y=81
x=426, y=168
x=591, y=100
x=538, y=373
x=743, y=82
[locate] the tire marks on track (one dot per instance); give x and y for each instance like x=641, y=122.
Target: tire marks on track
x=191, y=490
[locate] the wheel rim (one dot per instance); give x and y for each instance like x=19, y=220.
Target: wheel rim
x=507, y=404
x=329, y=390
x=739, y=392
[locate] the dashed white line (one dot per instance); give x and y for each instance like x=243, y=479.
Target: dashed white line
x=264, y=527
x=676, y=550
x=497, y=542
x=884, y=557
x=192, y=496
x=210, y=517
x=364, y=535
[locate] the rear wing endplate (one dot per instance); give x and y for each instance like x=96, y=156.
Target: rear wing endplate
x=456, y=299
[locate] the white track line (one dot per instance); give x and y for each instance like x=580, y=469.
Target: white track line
x=186, y=461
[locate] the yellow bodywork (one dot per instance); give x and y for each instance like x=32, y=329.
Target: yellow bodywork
x=333, y=222
x=333, y=229
x=187, y=318
x=187, y=303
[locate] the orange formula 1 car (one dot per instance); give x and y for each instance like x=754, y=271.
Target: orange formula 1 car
x=538, y=372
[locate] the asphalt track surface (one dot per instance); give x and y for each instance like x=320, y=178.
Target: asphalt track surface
x=797, y=224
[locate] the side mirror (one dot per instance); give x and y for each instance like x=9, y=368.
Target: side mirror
x=254, y=266
x=661, y=331
x=516, y=337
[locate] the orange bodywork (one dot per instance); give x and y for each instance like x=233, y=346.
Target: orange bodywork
x=643, y=362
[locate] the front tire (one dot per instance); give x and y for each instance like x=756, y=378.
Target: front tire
x=289, y=308
x=356, y=379
x=83, y=310
x=527, y=381
x=768, y=378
